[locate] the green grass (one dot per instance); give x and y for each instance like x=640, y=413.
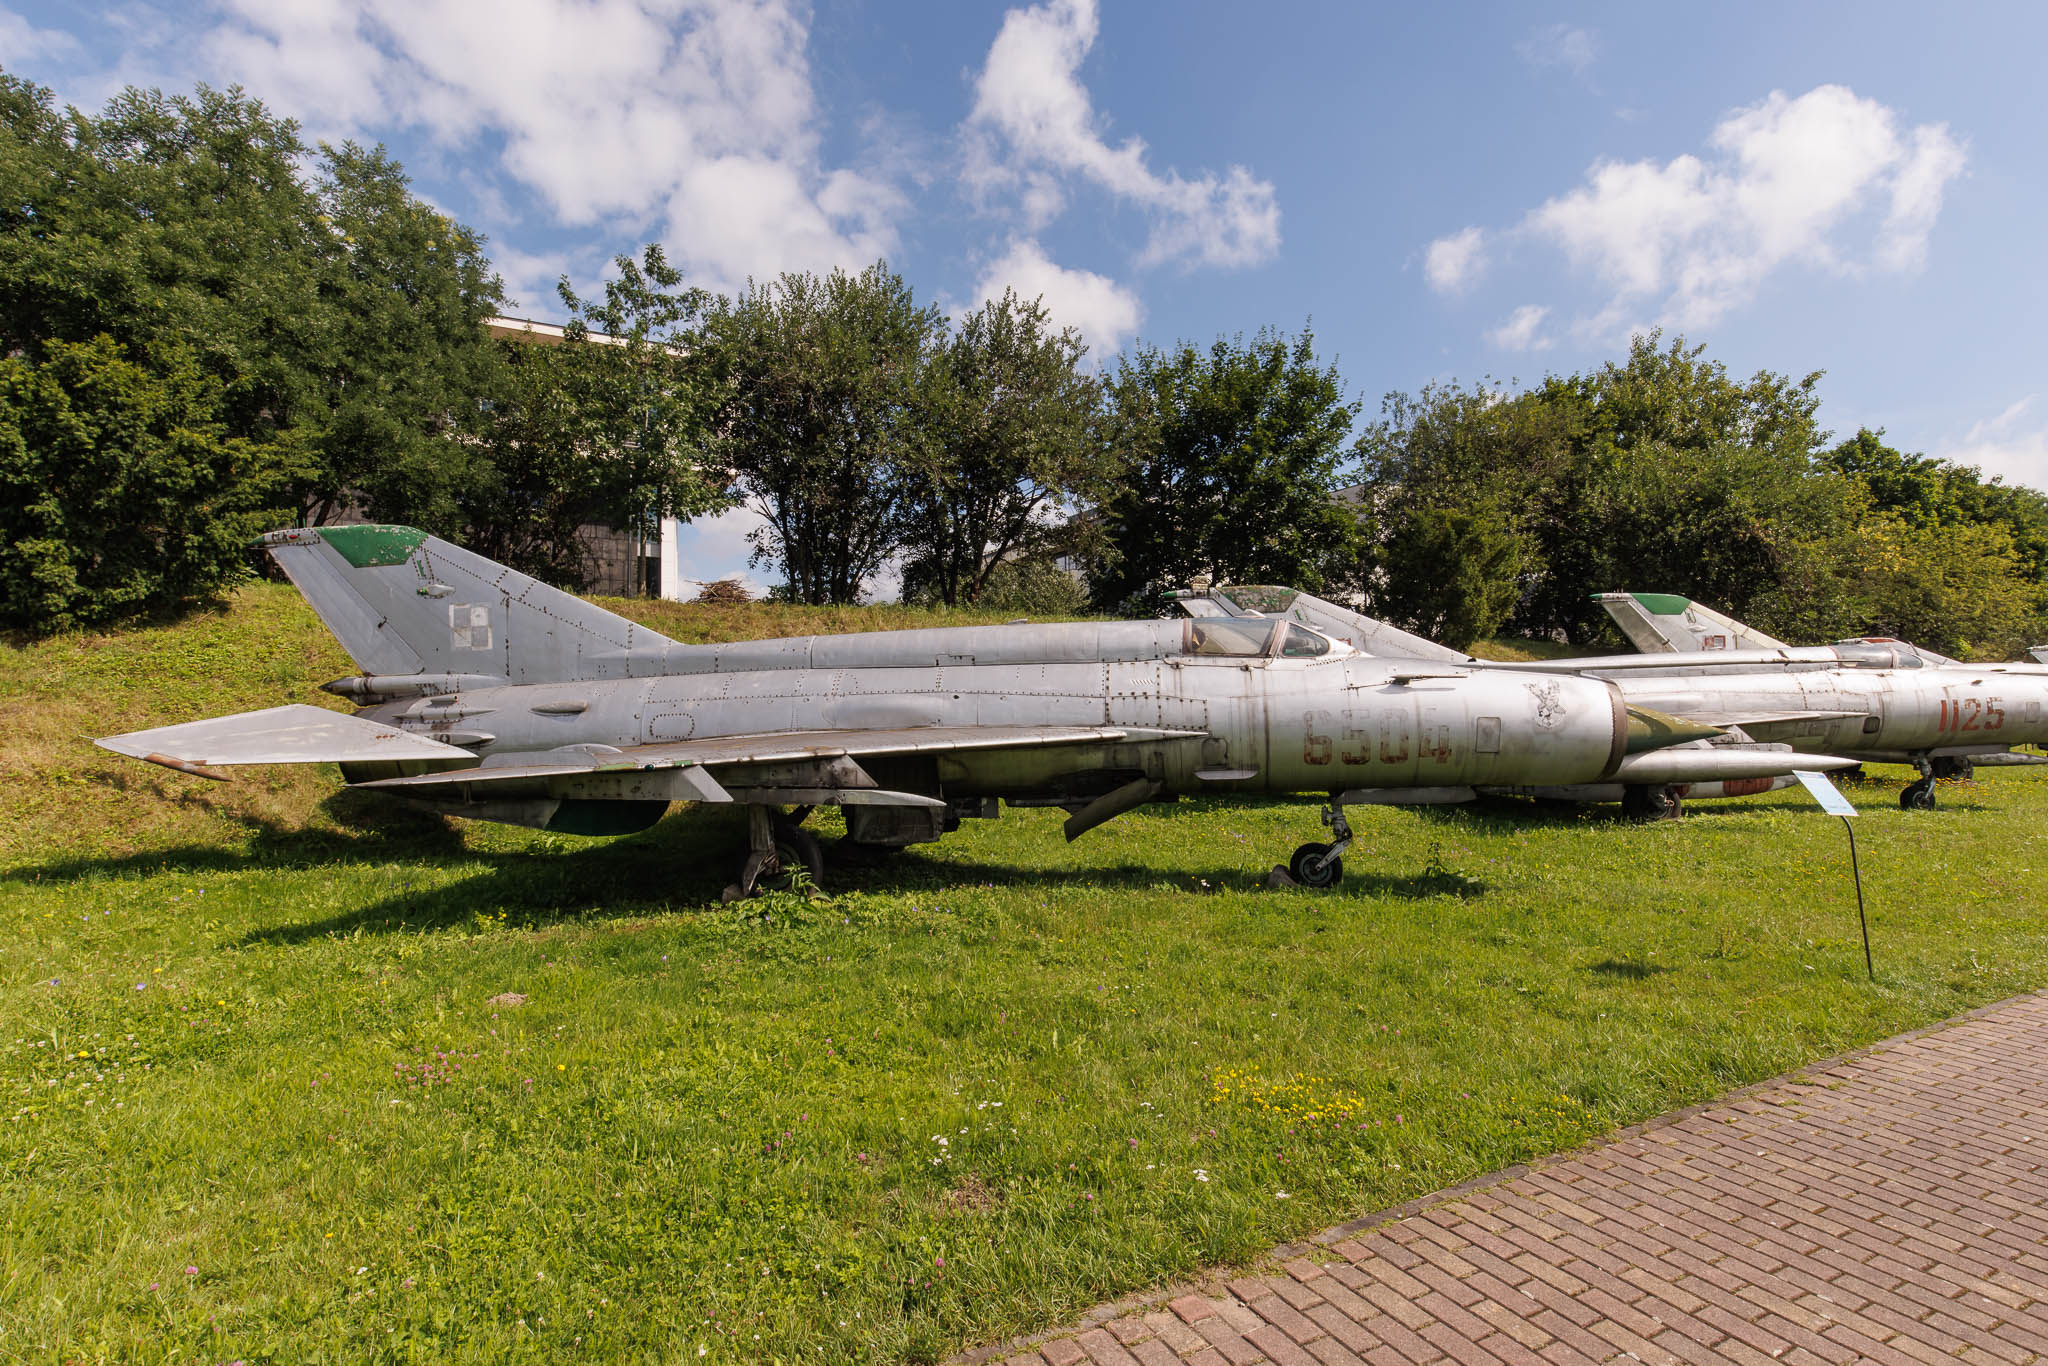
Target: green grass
x=250, y=1030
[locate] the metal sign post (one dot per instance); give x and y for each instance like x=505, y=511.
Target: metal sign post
x=1835, y=804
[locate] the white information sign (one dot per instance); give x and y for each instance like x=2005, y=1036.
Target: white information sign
x=1826, y=793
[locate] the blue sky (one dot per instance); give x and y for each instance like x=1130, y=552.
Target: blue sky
x=1447, y=191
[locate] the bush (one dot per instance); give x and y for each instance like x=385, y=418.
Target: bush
x=118, y=492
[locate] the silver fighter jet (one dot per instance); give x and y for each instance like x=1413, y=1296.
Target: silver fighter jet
x=1667, y=624
x=1872, y=701
x=486, y=694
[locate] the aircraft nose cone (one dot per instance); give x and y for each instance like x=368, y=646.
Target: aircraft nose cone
x=1650, y=729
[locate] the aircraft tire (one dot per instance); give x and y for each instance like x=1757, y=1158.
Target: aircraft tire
x=1918, y=796
x=797, y=848
x=1312, y=866
x=1647, y=802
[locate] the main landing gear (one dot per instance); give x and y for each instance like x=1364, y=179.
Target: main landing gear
x=1919, y=796
x=1320, y=865
x=778, y=844
x=1644, y=802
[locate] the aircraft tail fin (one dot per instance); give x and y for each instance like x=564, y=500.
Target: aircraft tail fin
x=1664, y=623
x=403, y=602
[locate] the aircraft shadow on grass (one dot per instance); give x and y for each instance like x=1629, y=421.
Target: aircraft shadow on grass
x=686, y=866
x=366, y=830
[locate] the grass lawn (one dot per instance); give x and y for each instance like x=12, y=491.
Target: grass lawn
x=266, y=1093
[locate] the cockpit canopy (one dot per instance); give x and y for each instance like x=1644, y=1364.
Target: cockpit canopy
x=1251, y=638
x=1878, y=652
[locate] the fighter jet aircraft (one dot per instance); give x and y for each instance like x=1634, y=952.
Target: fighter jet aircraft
x=1870, y=700
x=487, y=694
x=1667, y=623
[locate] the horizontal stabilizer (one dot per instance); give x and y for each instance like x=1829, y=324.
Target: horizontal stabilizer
x=1719, y=764
x=296, y=734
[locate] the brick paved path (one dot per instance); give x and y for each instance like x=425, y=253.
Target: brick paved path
x=1889, y=1206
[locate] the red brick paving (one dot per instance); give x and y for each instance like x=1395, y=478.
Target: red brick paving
x=1887, y=1206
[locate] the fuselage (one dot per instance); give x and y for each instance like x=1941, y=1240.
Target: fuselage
x=1263, y=723
x=1880, y=714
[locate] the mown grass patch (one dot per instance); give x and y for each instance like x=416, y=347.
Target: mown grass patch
x=273, y=1038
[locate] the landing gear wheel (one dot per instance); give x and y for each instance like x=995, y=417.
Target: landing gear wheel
x=776, y=843
x=798, y=849
x=1313, y=865
x=1642, y=802
x=1918, y=796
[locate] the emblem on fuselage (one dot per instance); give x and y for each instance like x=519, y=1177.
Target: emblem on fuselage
x=1549, y=705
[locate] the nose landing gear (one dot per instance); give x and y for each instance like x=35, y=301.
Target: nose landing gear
x=1919, y=796
x=1321, y=865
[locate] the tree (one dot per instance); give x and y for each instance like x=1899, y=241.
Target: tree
x=605, y=426
x=1231, y=458
x=1659, y=472
x=1959, y=589
x=1450, y=576
x=337, y=326
x=1924, y=492
x=119, y=491
x=1006, y=441
x=815, y=413
x=402, y=356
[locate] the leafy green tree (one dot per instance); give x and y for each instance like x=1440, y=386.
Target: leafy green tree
x=1231, y=457
x=401, y=356
x=605, y=426
x=120, y=492
x=1658, y=472
x=815, y=412
x=1006, y=443
x=1450, y=576
x=1925, y=492
x=337, y=322
x=1678, y=478
x=1958, y=588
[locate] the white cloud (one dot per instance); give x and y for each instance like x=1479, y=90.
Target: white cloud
x=2005, y=446
x=1104, y=311
x=1518, y=333
x=694, y=114
x=713, y=548
x=21, y=41
x=1456, y=261
x=1825, y=180
x=1033, y=126
x=530, y=278
x=1575, y=49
